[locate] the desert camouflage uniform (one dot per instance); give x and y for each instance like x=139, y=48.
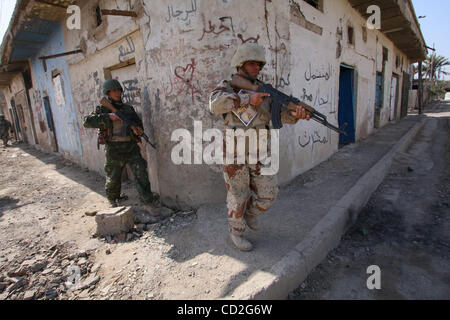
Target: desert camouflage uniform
x=5, y=125
x=121, y=148
x=248, y=192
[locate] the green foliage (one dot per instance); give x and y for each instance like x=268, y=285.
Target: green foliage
x=434, y=65
x=438, y=89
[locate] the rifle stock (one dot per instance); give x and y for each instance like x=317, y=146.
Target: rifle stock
x=105, y=102
x=281, y=100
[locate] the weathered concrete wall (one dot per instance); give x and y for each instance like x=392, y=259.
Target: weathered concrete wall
x=40, y=122
x=182, y=48
x=16, y=91
x=61, y=102
x=113, y=49
x=189, y=50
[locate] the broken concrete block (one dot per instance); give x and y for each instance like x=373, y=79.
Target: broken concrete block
x=29, y=295
x=113, y=221
x=89, y=281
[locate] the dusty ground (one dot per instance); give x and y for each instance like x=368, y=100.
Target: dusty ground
x=404, y=229
x=44, y=232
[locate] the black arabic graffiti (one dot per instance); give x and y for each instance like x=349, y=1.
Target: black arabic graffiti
x=179, y=13
x=124, y=51
x=284, y=82
x=131, y=92
x=305, y=96
x=222, y=27
x=312, y=139
x=309, y=75
x=315, y=101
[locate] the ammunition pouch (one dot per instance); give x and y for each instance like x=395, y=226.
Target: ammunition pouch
x=103, y=137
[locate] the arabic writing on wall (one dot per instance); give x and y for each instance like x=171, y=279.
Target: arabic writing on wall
x=317, y=74
x=226, y=25
x=181, y=15
x=126, y=50
x=131, y=92
x=311, y=139
x=316, y=98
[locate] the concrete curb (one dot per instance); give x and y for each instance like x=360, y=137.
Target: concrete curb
x=295, y=266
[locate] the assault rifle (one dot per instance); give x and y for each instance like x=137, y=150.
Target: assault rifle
x=281, y=100
x=104, y=102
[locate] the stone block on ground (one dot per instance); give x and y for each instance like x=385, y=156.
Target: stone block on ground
x=113, y=221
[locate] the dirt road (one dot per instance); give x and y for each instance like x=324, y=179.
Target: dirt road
x=46, y=238
x=404, y=229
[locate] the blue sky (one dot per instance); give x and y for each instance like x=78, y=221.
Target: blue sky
x=6, y=10
x=435, y=27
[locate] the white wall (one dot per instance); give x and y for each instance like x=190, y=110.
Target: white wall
x=187, y=46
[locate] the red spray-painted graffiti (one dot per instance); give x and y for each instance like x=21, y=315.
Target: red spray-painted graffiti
x=186, y=75
x=183, y=81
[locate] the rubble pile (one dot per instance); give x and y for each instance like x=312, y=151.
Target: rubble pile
x=47, y=273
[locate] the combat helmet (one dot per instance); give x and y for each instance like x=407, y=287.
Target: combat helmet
x=111, y=84
x=248, y=52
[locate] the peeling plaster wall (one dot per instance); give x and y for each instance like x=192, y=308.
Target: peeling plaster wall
x=16, y=91
x=40, y=121
x=196, y=43
x=188, y=52
x=117, y=42
x=87, y=77
x=64, y=114
x=186, y=49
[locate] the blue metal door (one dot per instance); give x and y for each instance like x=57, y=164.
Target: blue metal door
x=346, y=113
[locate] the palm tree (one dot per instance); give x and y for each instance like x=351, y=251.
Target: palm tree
x=434, y=65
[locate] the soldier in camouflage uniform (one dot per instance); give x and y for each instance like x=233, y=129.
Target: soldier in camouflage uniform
x=5, y=125
x=121, y=146
x=249, y=194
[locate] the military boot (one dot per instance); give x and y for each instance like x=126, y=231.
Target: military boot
x=156, y=200
x=122, y=197
x=251, y=222
x=112, y=203
x=153, y=208
x=240, y=242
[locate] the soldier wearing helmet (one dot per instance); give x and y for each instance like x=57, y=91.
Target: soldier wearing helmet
x=249, y=194
x=5, y=125
x=121, y=146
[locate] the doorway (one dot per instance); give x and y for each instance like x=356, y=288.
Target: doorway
x=393, y=104
x=23, y=124
x=16, y=121
x=50, y=124
x=405, y=95
x=346, y=111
